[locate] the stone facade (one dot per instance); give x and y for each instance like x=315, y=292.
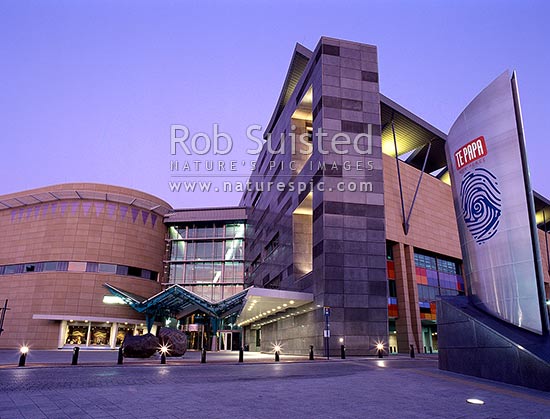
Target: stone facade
x=347, y=227
x=95, y=224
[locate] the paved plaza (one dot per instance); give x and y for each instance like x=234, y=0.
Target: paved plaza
x=395, y=387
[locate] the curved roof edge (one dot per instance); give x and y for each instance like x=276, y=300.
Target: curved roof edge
x=84, y=190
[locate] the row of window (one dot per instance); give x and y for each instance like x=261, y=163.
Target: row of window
x=65, y=266
x=269, y=250
x=205, y=231
x=206, y=272
x=436, y=264
x=207, y=250
x=215, y=293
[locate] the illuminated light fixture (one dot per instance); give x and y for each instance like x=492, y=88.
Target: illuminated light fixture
x=125, y=322
x=70, y=321
x=254, y=301
x=341, y=340
x=286, y=305
x=164, y=349
x=108, y=322
x=24, y=349
x=269, y=311
x=475, y=401
x=85, y=321
x=113, y=299
x=318, y=305
x=279, y=307
x=291, y=301
x=277, y=347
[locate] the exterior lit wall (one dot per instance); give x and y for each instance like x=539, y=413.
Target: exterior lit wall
x=348, y=240
x=433, y=222
x=432, y=229
x=75, y=230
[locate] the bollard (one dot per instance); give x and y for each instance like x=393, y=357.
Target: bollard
x=120, y=357
x=380, y=354
x=241, y=355
x=276, y=356
x=411, y=351
x=203, y=356
x=163, y=358
x=343, y=351
x=311, y=352
x=76, y=351
x=431, y=350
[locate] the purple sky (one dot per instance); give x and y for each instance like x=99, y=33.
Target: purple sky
x=89, y=89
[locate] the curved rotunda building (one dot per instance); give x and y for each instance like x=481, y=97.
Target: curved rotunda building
x=59, y=245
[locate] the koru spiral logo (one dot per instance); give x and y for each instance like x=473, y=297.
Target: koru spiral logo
x=481, y=204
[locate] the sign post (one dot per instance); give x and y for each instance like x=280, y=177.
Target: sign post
x=326, y=333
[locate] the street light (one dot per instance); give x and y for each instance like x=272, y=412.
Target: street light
x=277, y=350
x=24, y=350
x=380, y=349
x=163, y=352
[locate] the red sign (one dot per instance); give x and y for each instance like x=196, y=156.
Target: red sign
x=470, y=152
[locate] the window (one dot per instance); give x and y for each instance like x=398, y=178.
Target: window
x=234, y=249
x=107, y=268
x=91, y=267
x=49, y=266
x=204, y=272
x=234, y=230
x=122, y=270
x=147, y=274
x=176, y=233
x=30, y=267
x=272, y=245
x=218, y=250
x=132, y=271
x=255, y=263
x=77, y=267
x=13, y=269
x=178, y=250
x=204, y=250
x=233, y=272
x=176, y=273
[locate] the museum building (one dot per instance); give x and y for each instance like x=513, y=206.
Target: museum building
x=324, y=264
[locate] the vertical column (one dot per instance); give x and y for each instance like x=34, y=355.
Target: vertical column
x=62, y=333
x=408, y=324
x=353, y=245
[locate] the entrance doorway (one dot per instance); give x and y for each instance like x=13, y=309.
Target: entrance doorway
x=226, y=340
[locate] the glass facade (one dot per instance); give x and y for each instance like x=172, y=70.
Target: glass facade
x=207, y=258
x=435, y=276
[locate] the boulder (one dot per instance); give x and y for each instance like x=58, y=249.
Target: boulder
x=143, y=346
x=175, y=340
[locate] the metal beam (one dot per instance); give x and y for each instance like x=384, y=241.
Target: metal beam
x=417, y=188
x=405, y=228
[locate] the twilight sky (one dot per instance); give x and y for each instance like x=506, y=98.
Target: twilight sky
x=88, y=90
